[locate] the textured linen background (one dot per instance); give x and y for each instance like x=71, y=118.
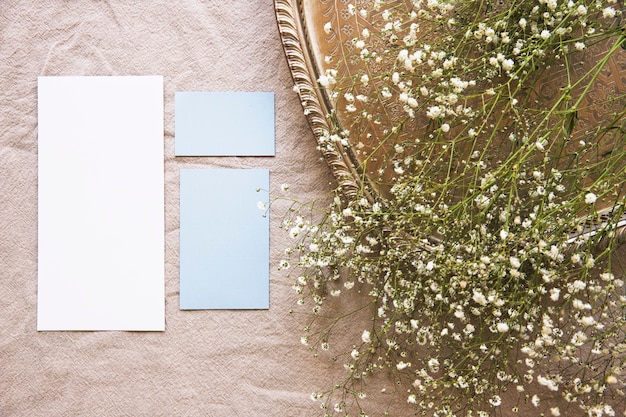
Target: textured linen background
x=206, y=363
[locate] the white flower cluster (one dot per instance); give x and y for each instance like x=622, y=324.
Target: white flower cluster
x=479, y=265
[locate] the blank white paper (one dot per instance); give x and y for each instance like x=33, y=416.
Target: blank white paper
x=101, y=204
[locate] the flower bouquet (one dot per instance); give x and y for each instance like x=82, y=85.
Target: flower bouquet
x=482, y=207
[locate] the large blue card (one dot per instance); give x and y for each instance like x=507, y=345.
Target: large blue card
x=224, y=239
x=224, y=124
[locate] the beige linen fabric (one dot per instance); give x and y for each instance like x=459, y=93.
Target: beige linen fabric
x=206, y=363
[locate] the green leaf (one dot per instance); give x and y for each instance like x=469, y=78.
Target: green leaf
x=569, y=122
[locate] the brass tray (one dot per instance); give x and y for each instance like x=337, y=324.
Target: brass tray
x=307, y=43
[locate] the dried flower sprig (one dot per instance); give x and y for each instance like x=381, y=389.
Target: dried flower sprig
x=485, y=254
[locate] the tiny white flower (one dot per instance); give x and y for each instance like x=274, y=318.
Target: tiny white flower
x=507, y=64
x=587, y=321
x=590, y=198
x=539, y=145
x=366, y=337
x=495, y=400
x=434, y=112
x=608, y=12
x=433, y=364
x=554, y=294
x=328, y=28
x=607, y=276
x=479, y=298
x=502, y=327
x=535, y=400
x=324, y=81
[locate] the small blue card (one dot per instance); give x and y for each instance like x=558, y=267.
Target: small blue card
x=224, y=239
x=224, y=124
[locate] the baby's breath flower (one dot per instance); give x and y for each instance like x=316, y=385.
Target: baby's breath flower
x=495, y=401
x=469, y=236
x=608, y=12
x=502, y=327
x=522, y=23
x=535, y=400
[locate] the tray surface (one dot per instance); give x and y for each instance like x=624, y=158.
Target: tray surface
x=318, y=36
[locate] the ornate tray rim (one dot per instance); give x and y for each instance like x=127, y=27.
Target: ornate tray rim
x=300, y=58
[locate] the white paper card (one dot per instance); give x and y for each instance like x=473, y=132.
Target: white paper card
x=101, y=203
